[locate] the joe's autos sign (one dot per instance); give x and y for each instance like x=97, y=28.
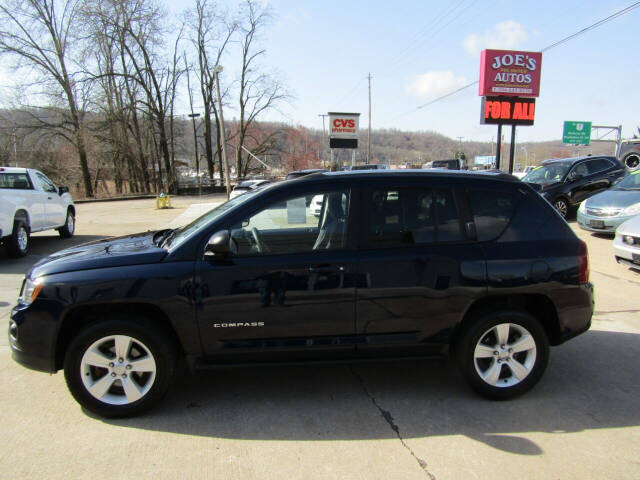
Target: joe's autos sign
x=343, y=130
x=510, y=73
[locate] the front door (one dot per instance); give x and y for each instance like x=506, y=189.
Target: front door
x=55, y=211
x=287, y=291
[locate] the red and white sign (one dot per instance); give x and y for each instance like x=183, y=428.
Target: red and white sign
x=343, y=125
x=509, y=73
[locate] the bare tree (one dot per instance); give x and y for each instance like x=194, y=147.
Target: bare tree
x=258, y=92
x=40, y=35
x=210, y=32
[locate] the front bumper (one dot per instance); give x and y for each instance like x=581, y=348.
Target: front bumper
x=30, y=338
x=609, y=223
x=624, y=253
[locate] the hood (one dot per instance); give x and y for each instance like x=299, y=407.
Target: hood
x=630, y=227
x=614, y=199
x=112, y=252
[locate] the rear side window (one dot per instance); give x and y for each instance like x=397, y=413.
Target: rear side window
x=15, y=181
x=599, y=165
x=413, y=216
x=492, y=211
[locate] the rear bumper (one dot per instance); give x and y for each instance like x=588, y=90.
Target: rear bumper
x=575, y=311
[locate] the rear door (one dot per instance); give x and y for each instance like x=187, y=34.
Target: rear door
x=420, y=265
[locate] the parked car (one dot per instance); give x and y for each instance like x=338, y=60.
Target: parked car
x=523, y=173
x=605, y=211
x=566, y=182
x=399, y=264
x=30, y=202
x=303, y=173
x=450, y=164
x=316, y=205
x=371, y=166
x=626, y=244
x=246, y=186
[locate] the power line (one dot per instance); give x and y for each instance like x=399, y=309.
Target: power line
x=599, y=23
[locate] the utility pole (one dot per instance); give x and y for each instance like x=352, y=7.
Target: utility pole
x=460, y=145
x=369, y=134
x=193, y=117
x=216, y=70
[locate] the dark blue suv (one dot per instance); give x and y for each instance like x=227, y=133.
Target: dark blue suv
x=397, y=264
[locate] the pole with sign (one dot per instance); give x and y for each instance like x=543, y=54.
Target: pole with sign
x=509, y=82
x=343, y=131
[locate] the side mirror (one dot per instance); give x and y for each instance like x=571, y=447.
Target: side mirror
x=219, y=245
x=63, y=190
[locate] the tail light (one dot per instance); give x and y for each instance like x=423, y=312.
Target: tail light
x=583, y=263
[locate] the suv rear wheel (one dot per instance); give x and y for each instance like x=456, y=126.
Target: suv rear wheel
x=118, y=367
x=503, y=354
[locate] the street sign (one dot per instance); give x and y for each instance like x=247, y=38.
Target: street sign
x=576, y=133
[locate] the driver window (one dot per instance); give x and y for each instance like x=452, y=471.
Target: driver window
x=303, y=223
x=579, y=171
x=47, y=185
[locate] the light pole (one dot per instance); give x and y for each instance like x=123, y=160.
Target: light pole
x=216, y=70
x=526, y=155
x=193, y=117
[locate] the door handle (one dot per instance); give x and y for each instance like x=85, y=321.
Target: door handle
x=49, y=198
x=326, y=269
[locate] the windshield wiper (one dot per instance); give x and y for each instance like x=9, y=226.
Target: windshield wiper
x=160, y=237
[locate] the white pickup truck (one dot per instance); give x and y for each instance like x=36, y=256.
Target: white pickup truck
x=30, y=202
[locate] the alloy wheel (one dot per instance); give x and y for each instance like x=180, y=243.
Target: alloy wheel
x=118, y=370
x=71, y=222
x=505, y=355
x=561, y=206
x=23, y=238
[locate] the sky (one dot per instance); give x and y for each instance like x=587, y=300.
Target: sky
x=417, y=50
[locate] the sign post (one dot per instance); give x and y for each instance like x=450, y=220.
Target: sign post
x=576, y=133
x=343, y=132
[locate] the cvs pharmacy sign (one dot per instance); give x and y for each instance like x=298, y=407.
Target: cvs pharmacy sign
x=343, y=125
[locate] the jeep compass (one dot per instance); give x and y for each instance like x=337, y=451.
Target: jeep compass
x=413, y=264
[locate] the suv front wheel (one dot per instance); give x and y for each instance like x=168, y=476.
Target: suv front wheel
x=117, y=367
x=503, y=354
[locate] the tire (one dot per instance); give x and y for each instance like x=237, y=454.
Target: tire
x=632, y=162
x=491, y=375
x=69, y=227
x=562, y=206
x=19, y=241
x=125, y=386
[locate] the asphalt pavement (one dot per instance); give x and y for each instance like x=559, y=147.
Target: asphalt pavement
x=405, y=419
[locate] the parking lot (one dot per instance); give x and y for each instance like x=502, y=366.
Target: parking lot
x=405, y=419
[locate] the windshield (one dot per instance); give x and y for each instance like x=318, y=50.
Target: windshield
x=630, y=182
x=550, y=173
x=179, y=235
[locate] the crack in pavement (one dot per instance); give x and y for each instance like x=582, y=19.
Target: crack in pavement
x=602, y=312
x=389, y=419
x=616, y=277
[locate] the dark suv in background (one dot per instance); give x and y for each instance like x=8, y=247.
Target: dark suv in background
x=566, y=182
x=397, y=264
